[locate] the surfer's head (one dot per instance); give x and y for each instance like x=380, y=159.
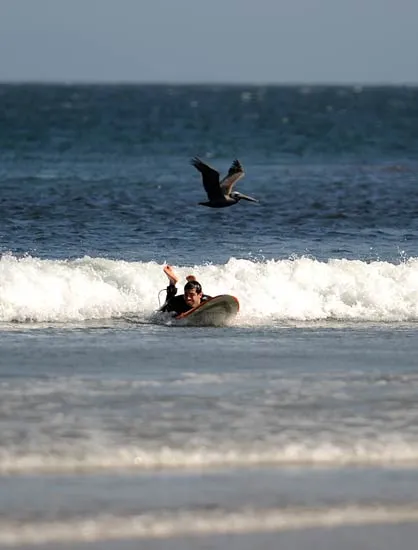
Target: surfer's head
x=192, y=293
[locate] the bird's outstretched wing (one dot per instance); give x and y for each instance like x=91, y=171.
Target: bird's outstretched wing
x=210, y=178
x=234, y=174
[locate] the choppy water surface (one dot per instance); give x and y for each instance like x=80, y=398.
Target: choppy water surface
x=302, y=413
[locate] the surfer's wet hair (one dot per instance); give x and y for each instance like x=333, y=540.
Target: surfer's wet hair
x=193, y=285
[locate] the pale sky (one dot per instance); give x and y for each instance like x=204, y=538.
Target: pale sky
x=230, y=41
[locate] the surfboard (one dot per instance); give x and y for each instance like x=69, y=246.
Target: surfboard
x=216, y=311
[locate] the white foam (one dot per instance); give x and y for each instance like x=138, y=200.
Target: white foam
x=95, y=457
x=189, y=523
x=301, y=289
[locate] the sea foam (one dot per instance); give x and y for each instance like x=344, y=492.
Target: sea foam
x=302, y=289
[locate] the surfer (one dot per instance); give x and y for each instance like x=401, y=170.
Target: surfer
x=192, y=297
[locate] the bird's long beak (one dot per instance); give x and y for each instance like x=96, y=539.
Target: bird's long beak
x=247, y=198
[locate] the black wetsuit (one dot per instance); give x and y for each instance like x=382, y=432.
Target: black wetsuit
x=177, y=303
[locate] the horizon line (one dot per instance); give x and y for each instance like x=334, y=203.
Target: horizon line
x=77, y=82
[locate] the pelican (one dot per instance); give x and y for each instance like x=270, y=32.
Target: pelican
x=220, y=193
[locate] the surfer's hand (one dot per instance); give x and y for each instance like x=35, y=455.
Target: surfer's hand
x=168, y=270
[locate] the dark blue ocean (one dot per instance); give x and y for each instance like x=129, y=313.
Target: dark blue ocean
x=294, y=423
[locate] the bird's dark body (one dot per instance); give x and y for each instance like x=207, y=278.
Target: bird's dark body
x=220, y=193
x=213, y=204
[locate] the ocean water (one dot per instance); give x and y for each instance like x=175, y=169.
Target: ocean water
x=297, y=422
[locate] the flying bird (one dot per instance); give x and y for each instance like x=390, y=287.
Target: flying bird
x=220, y=193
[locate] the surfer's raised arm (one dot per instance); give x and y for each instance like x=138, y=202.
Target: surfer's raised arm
x=171, y=290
